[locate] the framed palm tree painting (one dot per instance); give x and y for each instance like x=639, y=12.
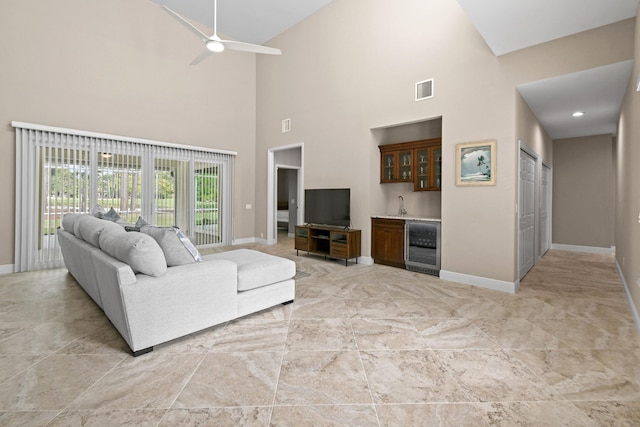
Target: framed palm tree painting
x=476, y=163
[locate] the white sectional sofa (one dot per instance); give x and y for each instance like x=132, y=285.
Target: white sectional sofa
x=150, y=302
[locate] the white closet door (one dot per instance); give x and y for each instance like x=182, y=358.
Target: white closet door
x=527, y=212
x=545, y=211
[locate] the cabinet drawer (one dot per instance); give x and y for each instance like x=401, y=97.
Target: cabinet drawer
x=388, y=223
x=339, y=250
x=302, y=243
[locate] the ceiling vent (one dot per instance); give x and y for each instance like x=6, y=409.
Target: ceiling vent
x=424, y=90
x=286, y=125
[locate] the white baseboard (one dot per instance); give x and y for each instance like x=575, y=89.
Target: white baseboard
x=365, y=260
x=7, y=269
x=481, y=282
x=634, y=310
x=587, y=249
x=247, y=240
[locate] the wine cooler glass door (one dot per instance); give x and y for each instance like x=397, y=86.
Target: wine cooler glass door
x=422, y=245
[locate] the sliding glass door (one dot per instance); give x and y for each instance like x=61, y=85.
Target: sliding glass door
x=63, y=173
x=63, y=187
x=207, y=184
x=119, y=184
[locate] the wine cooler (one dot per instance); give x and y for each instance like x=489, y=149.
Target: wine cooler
x=422, y=247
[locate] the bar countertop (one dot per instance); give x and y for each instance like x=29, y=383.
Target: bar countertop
x=407, y=218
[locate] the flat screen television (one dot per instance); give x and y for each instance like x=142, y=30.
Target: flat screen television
x=328, y=206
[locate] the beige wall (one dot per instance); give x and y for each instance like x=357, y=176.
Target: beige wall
x=352, y=67
x=627, y=233
x=531, y=133
x=121, y=67
x=583, y=196
x=601, y=46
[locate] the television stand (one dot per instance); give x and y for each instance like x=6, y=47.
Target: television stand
x=328, y=241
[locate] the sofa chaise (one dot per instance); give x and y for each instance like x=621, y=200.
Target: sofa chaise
x=154, y=288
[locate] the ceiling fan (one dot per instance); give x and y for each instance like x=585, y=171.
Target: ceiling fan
x=216, y=44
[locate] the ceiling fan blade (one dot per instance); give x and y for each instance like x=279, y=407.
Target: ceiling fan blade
x=204, y=55
x=186, y=23
x=248, y=47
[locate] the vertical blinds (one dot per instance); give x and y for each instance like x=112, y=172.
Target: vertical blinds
x=60, y=171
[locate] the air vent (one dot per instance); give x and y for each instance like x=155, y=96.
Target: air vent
x=286, y=125
x=424, y=90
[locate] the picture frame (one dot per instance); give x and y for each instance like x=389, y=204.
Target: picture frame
x=476, y=163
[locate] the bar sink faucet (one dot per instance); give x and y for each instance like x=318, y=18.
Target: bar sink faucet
x=401, y=211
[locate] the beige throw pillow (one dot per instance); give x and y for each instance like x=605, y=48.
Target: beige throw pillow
x=177, y=248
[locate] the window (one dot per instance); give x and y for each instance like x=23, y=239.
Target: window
x=119, y=184
x=62, y=171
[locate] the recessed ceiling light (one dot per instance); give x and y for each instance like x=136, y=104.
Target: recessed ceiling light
x=578, y=114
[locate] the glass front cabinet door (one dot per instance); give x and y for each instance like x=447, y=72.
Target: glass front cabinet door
x=404, y=170
x=422, y=169
x=388, y=167
x=396, y=166
x=428, y=162
x=437, y=168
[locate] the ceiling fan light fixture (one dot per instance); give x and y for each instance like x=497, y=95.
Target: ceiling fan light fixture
x=214, y=46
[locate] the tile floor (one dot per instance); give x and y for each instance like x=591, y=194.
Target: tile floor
x=361, y=346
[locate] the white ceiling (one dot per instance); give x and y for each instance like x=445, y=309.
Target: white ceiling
x=598, y=92
x=250, y=21
x=509, y=25
x=506, y=26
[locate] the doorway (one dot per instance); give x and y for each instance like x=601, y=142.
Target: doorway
x=291, y=159
x=287, y=199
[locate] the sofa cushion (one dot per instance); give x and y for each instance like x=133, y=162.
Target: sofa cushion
x=68, y=221
x=89, y=229
x=257, y=269
x=140, y=251
x=177, y=248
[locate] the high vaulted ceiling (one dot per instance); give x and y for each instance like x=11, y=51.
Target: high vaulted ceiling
x=511, y=25
x=506, y=26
